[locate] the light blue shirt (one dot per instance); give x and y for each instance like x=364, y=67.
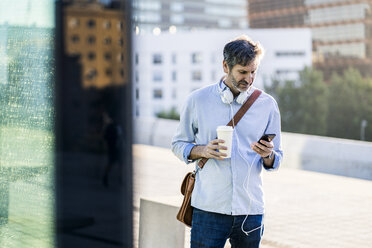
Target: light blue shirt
x=231, y=186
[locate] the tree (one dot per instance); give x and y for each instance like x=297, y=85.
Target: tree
x=303, y=103
x=171, y=114
x=350, y=103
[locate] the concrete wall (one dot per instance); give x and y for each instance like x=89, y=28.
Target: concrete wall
x=322, y=154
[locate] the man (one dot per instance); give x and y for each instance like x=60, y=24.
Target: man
x=228, y=198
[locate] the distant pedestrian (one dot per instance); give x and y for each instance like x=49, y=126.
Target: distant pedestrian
x=113, y=136
x=228, y=197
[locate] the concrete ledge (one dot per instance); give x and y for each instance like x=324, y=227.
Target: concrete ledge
x=158, y=226
x=343, y=157
x=154, y=131
x=351, y=158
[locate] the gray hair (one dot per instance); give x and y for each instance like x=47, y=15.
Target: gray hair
x=242, y=50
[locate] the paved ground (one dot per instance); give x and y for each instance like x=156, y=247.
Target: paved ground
x=303, y=209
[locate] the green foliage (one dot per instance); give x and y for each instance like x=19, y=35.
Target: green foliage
x=350, y=103
x=171, y=114
x=303, y=103
x=312, y=106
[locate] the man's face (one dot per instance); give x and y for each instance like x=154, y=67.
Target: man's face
x=240, y=78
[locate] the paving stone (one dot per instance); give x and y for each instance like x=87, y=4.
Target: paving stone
x=303, y=209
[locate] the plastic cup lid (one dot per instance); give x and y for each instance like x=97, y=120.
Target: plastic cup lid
x=224, y=128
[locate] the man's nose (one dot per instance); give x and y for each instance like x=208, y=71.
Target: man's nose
x=249, y=78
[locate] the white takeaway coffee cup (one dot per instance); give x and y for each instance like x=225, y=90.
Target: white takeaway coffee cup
x=225, y=133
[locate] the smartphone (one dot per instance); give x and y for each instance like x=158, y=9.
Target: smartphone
x=267, y=137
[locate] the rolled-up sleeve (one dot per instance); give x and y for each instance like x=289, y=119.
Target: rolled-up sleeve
x=184, y=139
x=273, y=127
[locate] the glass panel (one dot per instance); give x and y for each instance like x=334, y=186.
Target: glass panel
x=26, y=124
x=93, y=109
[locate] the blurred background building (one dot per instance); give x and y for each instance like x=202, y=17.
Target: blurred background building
x=341, y=29
x=95, y=33
x=166, y=15
x=165, y=73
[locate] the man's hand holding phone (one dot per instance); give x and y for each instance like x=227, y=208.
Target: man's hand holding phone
x=264, y=147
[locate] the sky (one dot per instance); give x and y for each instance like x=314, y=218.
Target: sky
x=39, y=13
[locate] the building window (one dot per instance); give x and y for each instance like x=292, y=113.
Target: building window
x=107, y=41
x=157, y=94
x=92, y=74
x=107, y=56
x=121, y=42
x=177, y=19
x=91, y=23
x=91, y=39
x=75, y=38
x=174, y=58
x=290, y=54
x=73, y=23
x=122, y=74
x=137, y=94
x=120, y=25
x=196, y=58
x=136, y=59
x=106, y=24
x=196, y=76
x=136, y=76
x=157, y=58
x=177, y=7
x=120, y=57
x=157, y=76
x=108, y=72
x=174, y=76
x=91, y=55
x=286, y=72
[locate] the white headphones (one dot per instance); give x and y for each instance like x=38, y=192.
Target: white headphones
x=228, y=97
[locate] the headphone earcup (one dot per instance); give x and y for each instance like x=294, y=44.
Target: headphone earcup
x=242, y=97
x=227, y=97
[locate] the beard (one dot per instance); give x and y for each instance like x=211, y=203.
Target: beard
x=236, y=84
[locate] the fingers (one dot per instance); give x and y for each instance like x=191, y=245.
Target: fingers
x=212, y=149
x=213, y=153
x=215, y=147
x=217, y=155
x=216, y=141
x=267, y=144
x=262, y=150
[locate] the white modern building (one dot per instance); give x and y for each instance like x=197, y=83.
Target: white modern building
x=168, y=67
x=162, y=15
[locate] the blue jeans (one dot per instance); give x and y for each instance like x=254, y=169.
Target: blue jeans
x=211, y=230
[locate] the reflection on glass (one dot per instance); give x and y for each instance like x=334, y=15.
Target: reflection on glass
x=26, y=123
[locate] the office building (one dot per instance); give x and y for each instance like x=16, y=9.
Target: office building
x=97, y=35
x=168, y=67
x=341, y=30
x=166, y=15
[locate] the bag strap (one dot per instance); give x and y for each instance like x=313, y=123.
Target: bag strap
x=243, y=109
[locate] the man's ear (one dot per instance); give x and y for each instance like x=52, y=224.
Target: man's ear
x=225, y=67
